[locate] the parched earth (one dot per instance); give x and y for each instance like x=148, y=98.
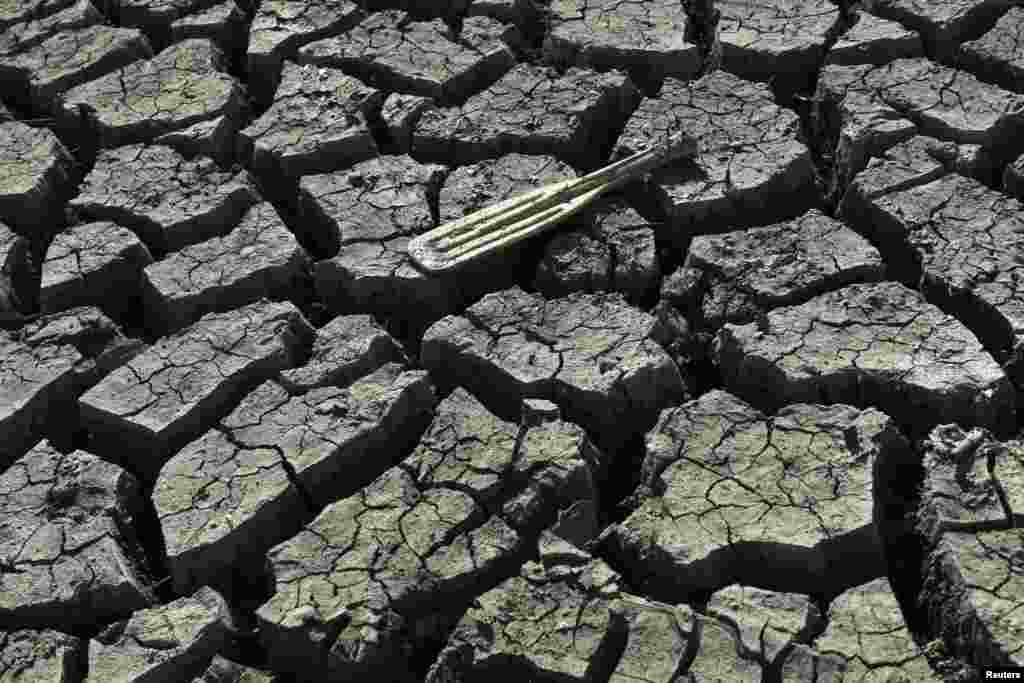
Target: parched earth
x=753, y=417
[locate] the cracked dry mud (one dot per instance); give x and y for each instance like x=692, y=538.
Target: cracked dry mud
x=224, y=23
x=943, y=26
x=319, y=121
x=593, y=354
x=385, y=567
x=167, y=200
x=751, y=417
x=258, y=259
x=361, y=219
x=646, y=38
x=870, y=108
x=181, y=86
x=167, y=395
x=1000, y=51
x=954, y=236
x=280, y=27
x=730, y=496
x=34, y=30
x=741, y=275
x=153, y=14
x=530, y=110
x=873, y=344
x=176, y=641
x=265, y=469
x=420, y=58
x=969, y=521
x=67, y=560
x=70, y=58
x=749, y=155
x=783, y=38
x=35, y=176
x=616, y=251
x=92, y=264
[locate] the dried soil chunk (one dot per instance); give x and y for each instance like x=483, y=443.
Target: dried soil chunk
x=723, y=657
x=425, y=9
x=965, y=238
x=224, y=23
x=863, y=627
x=970, y=594
x=96, y=264
x=872, y=40
x=943, y=24
x=29, y=33
x=1013, y=178
x=23, y=10
x=70, y=58
x=172, y=642
x=616, y=252
x=875, y=107
x=748, y=272
x=252, y=482
x=531, y=110
x=170, y=202
x=458, y=515
x=517, y=12
x=155, y=14
x=215, y=138
x=869, y=345
x=84, y=327
x=67, y=562
x=376, y=200
x=379, y=278
x=35, y=383
x=181, y=86
x=784, y=617
x=751, y=166
x=731, y=496
x=17, y=285
x=180, y=387
x=319, y=122
x=345, y=349
x=999, y=54
x=647, y=38
x=101, y=343
x=399, y=115
x=867, y=628
x=223, y=670
x=593, y=354
x=567, y=619
x=258, y=259
x=390, y=51
x=281, y=27
x=563, y=624
x=373, y=210
x=43, y=656
x=916, y=161
x=761, y=40
x=35, y=175
x=484, y=33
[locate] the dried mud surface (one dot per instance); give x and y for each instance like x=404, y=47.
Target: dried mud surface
x=750, y=417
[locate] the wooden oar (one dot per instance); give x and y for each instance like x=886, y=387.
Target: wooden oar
x=510, y=221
